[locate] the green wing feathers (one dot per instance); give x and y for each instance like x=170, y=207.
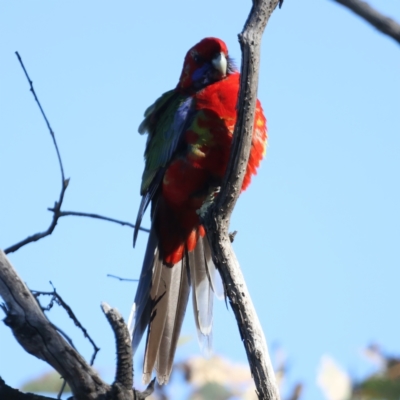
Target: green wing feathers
x=163, y=130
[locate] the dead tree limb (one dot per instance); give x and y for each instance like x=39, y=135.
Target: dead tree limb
x=124, y=373
x=218, y=216
x=37, y=335
x=384, y=24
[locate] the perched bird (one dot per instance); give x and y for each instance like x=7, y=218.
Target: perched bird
x=189, y=140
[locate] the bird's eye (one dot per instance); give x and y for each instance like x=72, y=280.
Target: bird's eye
x=196, y=57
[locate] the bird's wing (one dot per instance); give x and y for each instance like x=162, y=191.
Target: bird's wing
x=164, y=122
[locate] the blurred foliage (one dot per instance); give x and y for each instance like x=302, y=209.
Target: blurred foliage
x=211, y=390
x=378, y=388
x=384, y=384
x=50, y=382
x=217, y=378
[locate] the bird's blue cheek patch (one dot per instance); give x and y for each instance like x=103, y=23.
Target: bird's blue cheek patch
x=200, y=73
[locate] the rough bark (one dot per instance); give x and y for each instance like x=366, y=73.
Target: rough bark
x=37, y=335
x=124, y=372
x=218, y=217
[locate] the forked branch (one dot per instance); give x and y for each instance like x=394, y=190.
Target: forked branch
x=56, y=210
x=38, y=336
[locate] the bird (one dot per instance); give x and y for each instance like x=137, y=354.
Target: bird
x=190, y=130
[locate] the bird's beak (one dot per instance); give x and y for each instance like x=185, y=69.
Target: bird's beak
x=220, y=63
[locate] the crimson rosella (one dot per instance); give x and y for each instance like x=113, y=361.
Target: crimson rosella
x=189, y=140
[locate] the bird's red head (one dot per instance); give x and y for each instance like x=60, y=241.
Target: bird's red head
x=205, y=63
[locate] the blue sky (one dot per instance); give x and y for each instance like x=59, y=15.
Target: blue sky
x=319, y=228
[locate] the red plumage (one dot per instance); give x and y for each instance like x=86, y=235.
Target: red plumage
x=186, y=180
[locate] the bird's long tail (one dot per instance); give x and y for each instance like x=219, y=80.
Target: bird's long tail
x=161, y=301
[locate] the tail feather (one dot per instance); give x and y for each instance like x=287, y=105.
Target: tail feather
x=202, y=295
x=177, y=302
x=142, y=305
x=161, y=302
x=159, y=294
x=142, y=208
x=146, y=199
x=202, y=290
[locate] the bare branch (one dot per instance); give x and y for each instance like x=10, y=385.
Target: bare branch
x=56, y=210
x=97, y=216
x=58, y=214
x=218, y=217
x=122, y=279
x=48, y=231
x=55, y=297
x=384, y=24
x=44, y=116
x=38, y=336
x=64, y=182
x=124, y=372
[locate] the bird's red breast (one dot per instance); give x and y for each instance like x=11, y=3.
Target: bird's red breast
x=190, y=176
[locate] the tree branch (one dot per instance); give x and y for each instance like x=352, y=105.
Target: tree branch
x=59, y=300
x=218, y=216
x=97, y=216
x=40, y=338
x=64, y=182
x=124, y=373
x=44, y=116
x=384, y=24
x=57, y=213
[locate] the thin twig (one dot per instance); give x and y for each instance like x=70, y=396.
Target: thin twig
x=44, y=116
x=65, y=336
x=384, y=24
x=59, y=300
x=55, y=297
x=122, y=279
x=62, y=389
x=97, y=216
x=64, y=182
